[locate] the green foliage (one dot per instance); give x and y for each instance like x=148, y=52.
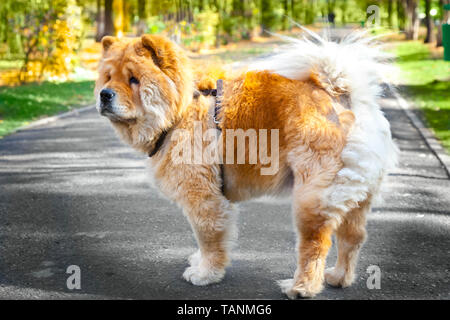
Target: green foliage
x=268, y=17
x=205, y=27
x=45, y=34
x=155, y=25
x=427, y=82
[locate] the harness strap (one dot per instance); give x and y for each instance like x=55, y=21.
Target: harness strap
x=159, y=143
x=218, y=93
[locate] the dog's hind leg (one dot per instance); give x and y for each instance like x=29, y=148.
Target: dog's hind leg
x=350, y=235
x=315, y=225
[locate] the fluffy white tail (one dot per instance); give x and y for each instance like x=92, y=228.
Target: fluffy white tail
x=353, y=66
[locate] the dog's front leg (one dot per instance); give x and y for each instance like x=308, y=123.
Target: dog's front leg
x=211, y=218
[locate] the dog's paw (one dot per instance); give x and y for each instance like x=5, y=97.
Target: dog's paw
x=194, y=259
x=304, y=290
x=337, y=278
x=201, y=276
x=286, y=287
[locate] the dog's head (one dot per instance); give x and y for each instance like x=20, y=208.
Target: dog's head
x=144, y=85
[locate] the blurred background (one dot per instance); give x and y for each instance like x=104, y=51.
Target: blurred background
x=49, y=49
x=72, y=194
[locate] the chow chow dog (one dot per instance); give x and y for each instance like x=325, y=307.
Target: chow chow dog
x=315, y=100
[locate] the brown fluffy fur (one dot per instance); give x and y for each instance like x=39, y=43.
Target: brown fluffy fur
x=310, y=143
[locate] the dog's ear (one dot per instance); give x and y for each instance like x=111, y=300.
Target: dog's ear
x=157, y=47
x=107, y=41
x=166, y=56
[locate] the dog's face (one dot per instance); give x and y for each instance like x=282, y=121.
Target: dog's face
x=144, y=85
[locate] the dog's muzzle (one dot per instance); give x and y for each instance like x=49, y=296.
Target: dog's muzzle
x=106, y=99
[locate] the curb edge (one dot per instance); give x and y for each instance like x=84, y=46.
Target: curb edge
x=430, y=139
x=51, y=119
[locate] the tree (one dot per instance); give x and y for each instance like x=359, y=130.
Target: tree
x=286, y=14
x=428, y=22
x=400, y=15
x=109, y=25
x=267, y=16
x=344, y=6
x=412, y=19
x=142, y=13
x=390, y=15
x=293, y=12
x=50, y=33
x=99, y=19
x=218, y=7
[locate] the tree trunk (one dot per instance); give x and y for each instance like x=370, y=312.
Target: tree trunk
x=412, y=20
x=142, y=12
x=99, y=21
x=267, y=16
x=286, y=15
x=311, y=12
x=109, y=25
x=428, y=22
x=248, y=14
x=400, y=15
x=293, y=13
x=344, y=7
x=216, y=4
x=390, y=7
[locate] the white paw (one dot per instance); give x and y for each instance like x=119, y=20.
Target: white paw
x=337, y=278
x=194, y=259
x=286, y=287
x=201, y=276
x=303, y=290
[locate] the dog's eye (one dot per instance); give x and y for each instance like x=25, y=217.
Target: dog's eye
x=133, y=80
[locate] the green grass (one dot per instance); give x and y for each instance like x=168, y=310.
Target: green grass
x=20, y=105
x=427, y=84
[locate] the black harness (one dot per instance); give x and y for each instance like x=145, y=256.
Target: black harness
x=158, y=143
x=218, y=93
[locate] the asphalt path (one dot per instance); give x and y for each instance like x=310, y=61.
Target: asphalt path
x=72, y=194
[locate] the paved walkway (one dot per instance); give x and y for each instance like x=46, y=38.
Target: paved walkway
x=72, y=194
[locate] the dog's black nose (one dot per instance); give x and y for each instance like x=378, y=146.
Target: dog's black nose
x=106, y=95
